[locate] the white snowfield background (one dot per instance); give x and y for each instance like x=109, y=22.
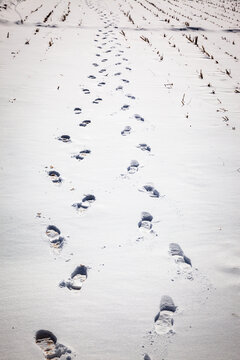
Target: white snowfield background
x=164, y=73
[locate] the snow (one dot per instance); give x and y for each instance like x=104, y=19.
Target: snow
x=192, y=127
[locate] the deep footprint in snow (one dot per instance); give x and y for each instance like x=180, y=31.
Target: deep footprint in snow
x=102, y=71
x=125, y=107
x=101, y=83
x=85, y=204
x=77, y=278
x=55, y=176
x=126, y=131
x=138, y=117
x=64, y=138
x=146, y=221
x=86, y=91
x=130, y=96
x=85, y=123
x=150, y=190
x=133, y=167
x=53, y=234
x=144, y=147
x=92, y=77
x=77, y=111
x=97, y=100
x=164, y=319
x=51, y=349
x=82, y=154
x=183, y=262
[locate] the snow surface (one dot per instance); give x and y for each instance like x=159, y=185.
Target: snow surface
x=186, y=93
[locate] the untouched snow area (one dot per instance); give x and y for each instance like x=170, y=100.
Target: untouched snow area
x=147, y=266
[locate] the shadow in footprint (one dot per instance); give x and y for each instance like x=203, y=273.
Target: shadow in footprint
x=75, y=282
x=133, y=167
x=144, y=147
x=85, y=123
x=92, y=77
x=85, y=204
x=97, y=100
x=183, y=262
x=102, y=83
x=125, y=107
x=51, y=349
x=146, y=221
x=82, y=154
x=55, y=176
x=77, y=111
x=126, y=131
x=164, y=319
x=53, y=234
x=86, y=91
x=150, y=190
x=64, y=138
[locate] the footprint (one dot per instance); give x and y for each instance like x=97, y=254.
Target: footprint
x=133, y=167
x=53, y=234
x=77, y=110
x=146, y=357
x=118, y=63
x=119, y=88
x=101, y=83
x=117, y=74
x=138, y=117
x=86, y=203
x=85, y=123
x=95, y=64
x=64, y=138
x=55, y=176
x=128, y=68
x=92, y=77
x=151, y=191
x=125, y=107
x=130, y=96
x=144, y=147
x=97, y=100
x=104, y=60
x=126, y=131
x=164, y=319
x=124, y=59
x=126, y=81
x=82, y=154
x=102, y=71
x=86, y=91
x=99, y=47
x=146, y=221
x=181, y=260
x=51, y=349
x=75, y=282
x=108, y=51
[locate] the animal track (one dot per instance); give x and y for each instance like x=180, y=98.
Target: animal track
x=51, y=349
x=64, y=138
x=85, y=123
x=55, y=176
x=144, y=147
x=126, y=131
x=133, y=167
x=75, y=282
x=82, y=154
x=151, y=191
x=77, y=110
x=146, y=221
x=138, y=117
x=164, y=319
x=125, y=107
x=53, y=234
x=86, y=203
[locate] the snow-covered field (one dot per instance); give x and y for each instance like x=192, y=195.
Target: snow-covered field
x=148, y=94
